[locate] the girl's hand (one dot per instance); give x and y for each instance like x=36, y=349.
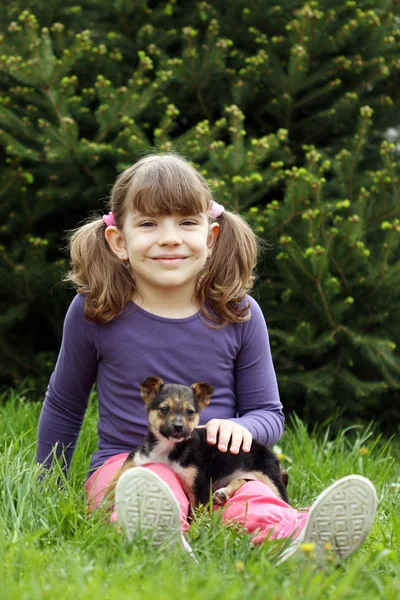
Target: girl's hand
x=223, y=431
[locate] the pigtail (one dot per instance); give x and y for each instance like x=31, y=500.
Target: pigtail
x=97, y=273
x=229, y=274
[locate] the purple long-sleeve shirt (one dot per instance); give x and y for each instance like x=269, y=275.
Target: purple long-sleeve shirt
x=235, y=360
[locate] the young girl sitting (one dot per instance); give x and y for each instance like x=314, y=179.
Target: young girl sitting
x=162, y=283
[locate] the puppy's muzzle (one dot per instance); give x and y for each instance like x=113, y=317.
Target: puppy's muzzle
x=176, y=431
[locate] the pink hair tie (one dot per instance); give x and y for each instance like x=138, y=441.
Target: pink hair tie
x=109, y=219
x=216, y=210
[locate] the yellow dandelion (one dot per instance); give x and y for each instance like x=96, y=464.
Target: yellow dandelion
x=307, y=548
x=277, y=450
x=363, y=451
x=239, y=565
x=328, y=546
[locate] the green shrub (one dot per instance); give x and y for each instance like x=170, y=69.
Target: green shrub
x=283, y=107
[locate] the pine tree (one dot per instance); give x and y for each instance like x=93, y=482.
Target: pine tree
x=283, y=107
x=336, y=285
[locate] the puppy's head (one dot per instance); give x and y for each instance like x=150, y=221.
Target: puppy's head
x=173, y=409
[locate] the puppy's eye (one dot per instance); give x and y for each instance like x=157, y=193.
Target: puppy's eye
x=190, y=412
x=164, y=410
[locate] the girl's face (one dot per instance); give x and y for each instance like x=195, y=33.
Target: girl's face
x=166, y=252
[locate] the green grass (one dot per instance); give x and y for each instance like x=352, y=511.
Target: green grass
x=50, y=548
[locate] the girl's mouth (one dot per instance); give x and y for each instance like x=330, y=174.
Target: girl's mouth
x=169, y=260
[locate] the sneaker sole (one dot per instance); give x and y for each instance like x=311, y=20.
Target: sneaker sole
x=144, y=503
x=342, y=516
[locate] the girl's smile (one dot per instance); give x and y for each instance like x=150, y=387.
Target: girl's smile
x=169, y=258
x=170, y=261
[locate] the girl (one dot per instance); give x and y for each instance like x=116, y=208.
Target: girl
x=162, y=286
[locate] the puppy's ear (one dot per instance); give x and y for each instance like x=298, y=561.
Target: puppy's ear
x=203, y=392
x=150, y=387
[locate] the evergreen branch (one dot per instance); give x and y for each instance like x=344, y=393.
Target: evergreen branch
x=347, y=285
x=89, y=173
x=12, y=121
x=288, y=111
x=196, y=84
x=384, y=267
x=321, y=342
x=60, y=41
x=387, y=375
x=36, y=50
x=282, y=225
x=328, y=238
x=302, y=269
x=393, y=178
x=212, y=31
x=313, y=95
x=326, y=306
x=314, y=78
x=123, y=110
x=353, y=262
x=355, y=155
x=253, y=197
x=360, y=141
x=260, y=14
x=18, y=149
x=206, y=73
x=310, y=299
x=318, y=380
x=311, y=236
x=6, y=259
x=5, y=188
x=372, y=347
x=237, y=145
x=361, y=388
x=54, y=132
x=72, y=56
x=49, y=93
x=111, y=126
x=15, y=357
x=384, y=217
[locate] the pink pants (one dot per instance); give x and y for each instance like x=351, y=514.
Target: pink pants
x=254, y=505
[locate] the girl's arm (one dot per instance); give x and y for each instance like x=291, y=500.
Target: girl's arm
x=69, y=387
x=259, y=408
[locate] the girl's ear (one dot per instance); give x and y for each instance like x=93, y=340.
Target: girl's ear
x=116, y=241
x=213, y=234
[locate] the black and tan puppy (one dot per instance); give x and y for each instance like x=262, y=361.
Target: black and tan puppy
x=174, y=439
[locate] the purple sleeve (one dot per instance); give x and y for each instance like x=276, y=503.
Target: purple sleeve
x=259, y=406
x=69, y=388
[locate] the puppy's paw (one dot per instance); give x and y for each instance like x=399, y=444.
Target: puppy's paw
x=220, y=496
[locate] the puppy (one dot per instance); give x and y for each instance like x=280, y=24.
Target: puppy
x=174, y=439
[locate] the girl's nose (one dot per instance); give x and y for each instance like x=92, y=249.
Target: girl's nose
x=169, y=235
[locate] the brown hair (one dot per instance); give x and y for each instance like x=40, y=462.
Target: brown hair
x=164, y=184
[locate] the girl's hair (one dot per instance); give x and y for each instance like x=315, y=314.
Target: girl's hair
x=164, y=184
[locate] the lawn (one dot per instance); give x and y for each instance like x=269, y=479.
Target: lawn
x=50, y=548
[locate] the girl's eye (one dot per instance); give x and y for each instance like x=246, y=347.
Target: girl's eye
x=188, y=223
x=190, y=412
x=147, y=224
x=164, y=410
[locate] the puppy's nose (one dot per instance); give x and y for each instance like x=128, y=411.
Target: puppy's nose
x=177, y=427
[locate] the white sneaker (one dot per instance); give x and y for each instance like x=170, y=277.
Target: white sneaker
x=339, y=520
x=145, y=503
